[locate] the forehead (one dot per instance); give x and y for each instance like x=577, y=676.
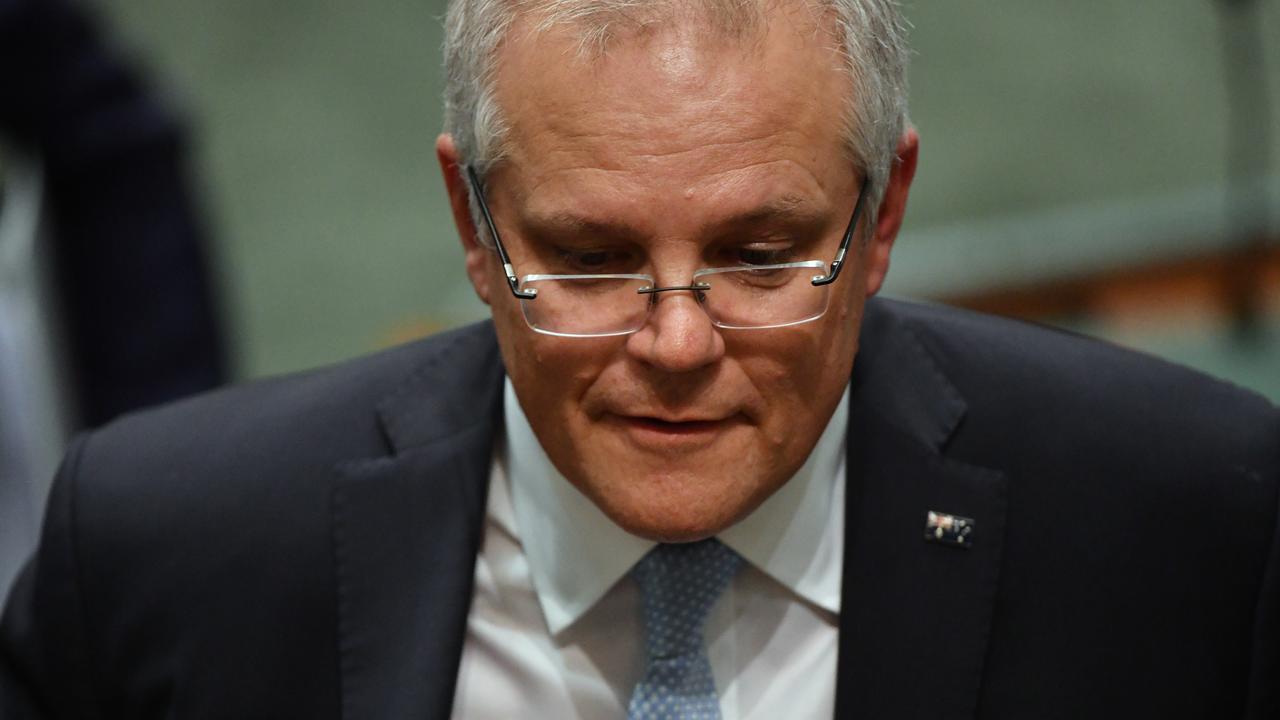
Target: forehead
x=679, y=104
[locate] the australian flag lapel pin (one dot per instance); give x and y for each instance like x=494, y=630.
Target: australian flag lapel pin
x=948, y=529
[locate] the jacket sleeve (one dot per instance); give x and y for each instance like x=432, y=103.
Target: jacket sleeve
x=45, y=668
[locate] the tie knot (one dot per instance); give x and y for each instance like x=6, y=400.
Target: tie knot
x=679, y=583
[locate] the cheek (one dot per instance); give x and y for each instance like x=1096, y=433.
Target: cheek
x=551, y=375
x=539, y=365
x=784, y=371
x=800, y=372
x=845, y=323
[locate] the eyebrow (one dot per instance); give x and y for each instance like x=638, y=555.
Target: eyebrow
x=784, y=210
x=571, y=223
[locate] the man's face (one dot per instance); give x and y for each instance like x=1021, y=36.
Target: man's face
x=676, y=150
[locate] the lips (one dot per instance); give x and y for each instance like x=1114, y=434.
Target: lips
x=678, y=427
x=664, y=434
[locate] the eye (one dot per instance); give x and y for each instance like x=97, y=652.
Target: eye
x=755, y=255
x=594, y=260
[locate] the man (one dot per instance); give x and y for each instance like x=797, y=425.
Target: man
x=683, y=498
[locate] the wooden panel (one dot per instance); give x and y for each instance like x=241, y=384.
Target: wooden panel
x=1230, y=284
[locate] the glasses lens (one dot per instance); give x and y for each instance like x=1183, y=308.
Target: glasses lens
x=764, y=297
x=586, y=305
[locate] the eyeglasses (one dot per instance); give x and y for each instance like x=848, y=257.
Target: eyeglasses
x=746, y=297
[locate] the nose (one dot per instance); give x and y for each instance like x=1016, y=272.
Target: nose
x=678, y=337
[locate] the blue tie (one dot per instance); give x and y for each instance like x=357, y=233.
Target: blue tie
x=678, y=585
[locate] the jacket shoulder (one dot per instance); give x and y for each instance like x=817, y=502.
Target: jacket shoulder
x=1047, y=385
x=256, y=458
x=327, y=414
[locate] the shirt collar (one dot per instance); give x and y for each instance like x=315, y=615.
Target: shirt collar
x=576, y=553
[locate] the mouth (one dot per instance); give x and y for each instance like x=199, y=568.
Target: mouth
x=674, y=427
x=668, y=434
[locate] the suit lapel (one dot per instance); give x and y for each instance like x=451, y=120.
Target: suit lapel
x=915, y=615
x=406, y=529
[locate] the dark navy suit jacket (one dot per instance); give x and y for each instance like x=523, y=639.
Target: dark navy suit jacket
x=304, y=547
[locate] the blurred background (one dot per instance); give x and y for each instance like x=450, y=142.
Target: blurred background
x=1110, y=167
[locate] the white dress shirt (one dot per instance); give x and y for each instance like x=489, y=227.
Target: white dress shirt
x=556, y=628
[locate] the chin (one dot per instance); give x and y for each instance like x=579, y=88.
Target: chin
x=673, y=532
x=671, y=511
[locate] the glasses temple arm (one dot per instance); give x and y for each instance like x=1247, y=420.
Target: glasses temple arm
x=509, y=271
x=838, y=263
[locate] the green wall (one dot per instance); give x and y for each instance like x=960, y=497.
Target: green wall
x=1056, y=137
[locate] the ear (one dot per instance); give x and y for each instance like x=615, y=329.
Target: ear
x=892, y=208
x=477, y=255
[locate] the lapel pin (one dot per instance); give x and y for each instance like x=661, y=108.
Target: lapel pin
x=948, y=529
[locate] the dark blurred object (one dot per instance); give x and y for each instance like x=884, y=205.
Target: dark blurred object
x=130, y=259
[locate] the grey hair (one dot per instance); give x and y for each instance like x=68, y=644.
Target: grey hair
x=873, y=34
